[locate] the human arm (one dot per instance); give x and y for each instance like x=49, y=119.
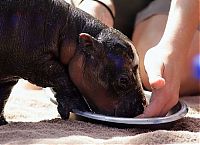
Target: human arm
x=164, y=62
x=98, y=10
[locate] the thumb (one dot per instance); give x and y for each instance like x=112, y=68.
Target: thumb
x=156, y=81
x=154, y=68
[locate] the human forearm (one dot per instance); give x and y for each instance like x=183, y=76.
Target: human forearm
x=164, y=63
x=182, y=22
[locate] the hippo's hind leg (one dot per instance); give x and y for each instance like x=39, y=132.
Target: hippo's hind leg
x=5, y=90
x=53, y=74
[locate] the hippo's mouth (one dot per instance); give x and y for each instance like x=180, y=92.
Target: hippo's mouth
x=133, y=108
x=122, y=108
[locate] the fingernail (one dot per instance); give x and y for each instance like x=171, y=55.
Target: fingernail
x=140, y=116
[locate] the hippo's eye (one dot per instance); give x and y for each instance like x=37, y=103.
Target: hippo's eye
x=123, y=81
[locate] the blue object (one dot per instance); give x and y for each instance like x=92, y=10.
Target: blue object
x=196, y=66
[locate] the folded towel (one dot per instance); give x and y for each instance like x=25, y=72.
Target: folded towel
x=33, y=119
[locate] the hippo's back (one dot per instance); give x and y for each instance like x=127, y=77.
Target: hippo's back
x=21, y=22
x=28, y=29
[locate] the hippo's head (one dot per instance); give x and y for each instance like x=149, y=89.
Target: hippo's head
x=105, y=70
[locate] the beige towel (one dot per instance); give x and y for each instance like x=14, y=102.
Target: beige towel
x=34, y=120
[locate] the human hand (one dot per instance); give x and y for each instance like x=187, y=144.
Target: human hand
x=164, y=63
x=98, y=11
x=163, y=67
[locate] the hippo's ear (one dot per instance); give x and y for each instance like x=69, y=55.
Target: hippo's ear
x=86, y=40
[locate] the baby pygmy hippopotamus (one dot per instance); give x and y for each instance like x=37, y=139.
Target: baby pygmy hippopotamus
x=53, y=44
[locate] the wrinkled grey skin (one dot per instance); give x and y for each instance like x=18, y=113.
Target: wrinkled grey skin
x=52, y=44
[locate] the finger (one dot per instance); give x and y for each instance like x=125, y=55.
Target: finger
x=160, y=104
x=152, y=110
x=154, y=69
x=157, y=103
x=156, y=81
x=140, y=116
x=168, y=107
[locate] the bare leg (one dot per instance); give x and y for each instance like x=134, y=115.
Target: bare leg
x=147, y=34
x=30, y=86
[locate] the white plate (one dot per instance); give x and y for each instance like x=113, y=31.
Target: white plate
x=176, y=113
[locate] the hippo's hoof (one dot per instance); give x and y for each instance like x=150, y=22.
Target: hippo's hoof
x=3, y=121
x=64, y=112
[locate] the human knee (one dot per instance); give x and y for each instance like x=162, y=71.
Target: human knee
x=149, y=32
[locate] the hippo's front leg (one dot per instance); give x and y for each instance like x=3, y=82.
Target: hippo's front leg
x=53, y=74
x=68, y=98
x=5, y=90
